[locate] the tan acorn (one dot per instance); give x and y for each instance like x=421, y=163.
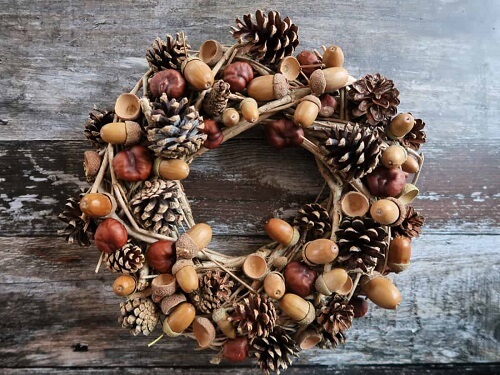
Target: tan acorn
x=410, y=165
x=320, y=251
x=298, y=309
x=124, y=285
x=290, y=67
x=336, y=280
x=282, y=232
x=97, y=204
x=162, y=286
x=386, y=211
x=354, y=204
x=382, y=292
x=197, y=73
x=200, y=234
x=186, y=275
x=249, y=109
x=127, y=107
x=170, y=302
x=230, y=117
x=399, y=256
x=401, y=125
x=211, y=52
x=91, y=163
x=274, y=285
x=204, y=331
x=328, y=80
x=171, y=169
x=221, y=317
x=307, y=111
x=179, y=319
x=268, y=87
x=255, y=266
x=394, y=156
x=126, y=133
x=333, y=57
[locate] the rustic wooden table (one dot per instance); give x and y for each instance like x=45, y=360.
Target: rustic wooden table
x=60, y=58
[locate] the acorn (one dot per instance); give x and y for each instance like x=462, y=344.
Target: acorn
x=230, y=117
x=274, y=285
x=186, y=275
x=126, y=133
x=298, y=309
x=408, y=193
x=204, y=331
x=400, y=125
x=98, y=204
x=249, y=109
x=333, y=57
x=354, y=204
x=282, y=232
x=394, y=156
x=336, y=280
x=211, y=52
x=127, y=107
x=197, y=73
x=171, y=169
x=255, y=266
x=382, y=292
x=320, y=251
x=91, y=163
x=221, y=317
x=307, y=111
x=398, y=259
x=163, y=285
x=200, y=234
x=179, y=319
x=290, y=67
x=328, y=80
x=388, y=211
x=170, y=302
x=410, y=165
x=124, y=285
x=268, y=87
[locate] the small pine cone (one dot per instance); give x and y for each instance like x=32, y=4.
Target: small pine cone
x=361, y=242
x=214, y=290
x=416, y=137
x=255, y=316
x=411, y=226
x=216, y=100
x=174, y=129
x=140, y=315
x=335, y=315
x=77, y=229
x=269, y=39
x=353, y=151
x=129, y=259
x=274, y=353
x=167, y=54
x=373, y=100
x=157, y=206
x=97, y=119
x=314, y=219
x=331, y=342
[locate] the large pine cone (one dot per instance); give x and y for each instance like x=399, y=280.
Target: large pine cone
x=140, y=315
x=269, y=39
x=77, y=229
x=157, y=206
x=313, y=219
x=97, y=119
x=174, y=129
x=335, y=315
x=416, y=137
x=129, y=259
x=373, y=100
x=216, y=100
x=167, y=54
x=331, y=342
x=214, y=290
x=361, y=242
x=274, y=353
x=411, y=226
x=255, y=316
x=353, y=151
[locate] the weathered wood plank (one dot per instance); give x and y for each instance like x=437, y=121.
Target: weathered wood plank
x=450, y=311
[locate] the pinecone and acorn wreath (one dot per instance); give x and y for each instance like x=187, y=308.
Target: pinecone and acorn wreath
x=303, y=289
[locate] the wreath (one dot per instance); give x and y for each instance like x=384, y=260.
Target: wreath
x=303, y=289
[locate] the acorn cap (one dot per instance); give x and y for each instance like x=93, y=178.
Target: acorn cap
x=219, y=314
x=211, y=52
x=168, y=303
x=408, y=194
x=289, y=67
x=204, y=331
x=185, y=247
x=354, y=204
x=187, y=61
x=168, y=331
x=255, y=266
x=402, y=211
x=91, y=163
x=163, y=285
x=280, y=262
x=280, y=86
x=134, y=133
x=180, y=264
x=321, y=286
x=313, y=99
x=127, y=107
x=317, y=82
x=309, y=339
x=309, y=318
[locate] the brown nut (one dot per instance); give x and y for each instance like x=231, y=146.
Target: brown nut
x=328, y=105
x=410, y=165
x=236, y=350
x=268, y=87
x=186, y=275
x=201, y=235
x=127, y=107
x=309, y=62
x=126, y=133
x=299, y=278
x=197, y=73
x=220, y=317
x=399, y=254
x=386, y=211
x=333, y=57
x=238, y=74
x=360, y=306
x=284, y=133
x=215, y=135
x=204, y=331
x=382, y=292
x=161, y=256
x=297, y=309
x=320, y=251
x=249, y=109
x=230, y=117
x=211, y=52
x=168, y=81
x=401, y=125
x=110, y=236
x=394, y=156
x=124, y=285
x=91, y=163
x=171, y=169
x=179, y=319
x=328, y=80
x=97, y=204
x=274, y=285
x=133, y=165
x=307, y=111
x=255, y=266
x=282, y=232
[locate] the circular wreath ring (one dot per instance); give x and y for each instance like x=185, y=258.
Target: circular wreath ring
x=303, y=289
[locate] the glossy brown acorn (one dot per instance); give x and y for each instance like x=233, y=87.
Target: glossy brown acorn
x=268, y=87
x=320, y=251
x=333, y=57
x=124, y=285
x=410, y=165
x=307, y=111
x=282, y=232
x=297, y=308
x=394, y=156
x=328, y=80
x=401, y=125
x=200, y=234
x=274, y=285
x=382, y=292
x=197, y=73
x=133, y=165
x=238, y=74
x=230, y=117
x=161, y=256
x=179, y=319
x=110, y=236
x=299, y=278
x=385, y=212
x=171, y=169
x=126, y=133
x=249, y=109
x=97, y=204
x=284, y=133
x=399, y=254
x=168, y=81
x=186, y=275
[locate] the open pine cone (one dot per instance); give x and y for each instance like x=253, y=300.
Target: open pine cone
x=214, y=290
x=168, y=53
x=313, y=219
x=77, y=230
x=411, y=226
x=97, y=119
x=335, y=315
x=129, y=259
x=416, y=137
x=140, y=315
x=255, y=316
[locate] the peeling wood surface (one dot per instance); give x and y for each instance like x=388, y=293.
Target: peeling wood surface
x=59, y=59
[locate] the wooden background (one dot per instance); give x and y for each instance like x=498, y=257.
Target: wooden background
x=58, y=59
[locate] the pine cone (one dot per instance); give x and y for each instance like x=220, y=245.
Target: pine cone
x=352, y=151
x=361, y=242
x=140, y=315
x=157, y=207
x=314, y=219
x=335, y=315
x=373, y=100
x=331, y=342
x=97, y=119
x=274, y=353
x=216, y=101
x=269, y=39
x=411, y=226
x=255, y=316
x=168, y=54
x=416, y=137
x=174, y=129
x=214, y=290
x=129, y=259
x=77, y=229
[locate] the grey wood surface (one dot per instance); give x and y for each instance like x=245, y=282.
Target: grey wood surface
x=58, y=59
